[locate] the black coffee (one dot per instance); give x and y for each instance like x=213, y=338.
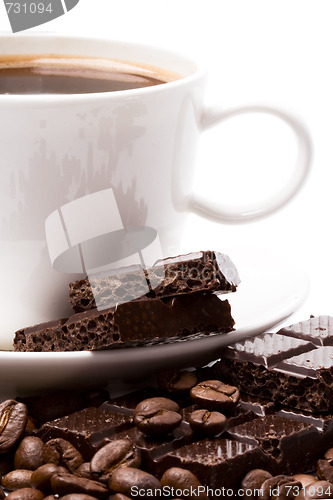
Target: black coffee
x=65, y=75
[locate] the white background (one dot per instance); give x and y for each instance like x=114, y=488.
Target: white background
x=255, y=51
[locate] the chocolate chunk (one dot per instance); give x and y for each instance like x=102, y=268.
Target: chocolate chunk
x=86, y=429
x=132, y=323
x=293, y=445
x=216, y=461
x=303, y=380
x=195, y=272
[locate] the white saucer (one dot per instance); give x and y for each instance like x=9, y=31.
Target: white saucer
x=271, y=290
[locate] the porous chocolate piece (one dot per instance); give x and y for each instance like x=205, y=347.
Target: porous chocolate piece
x=292, y=444
x=303, y=380
x=195, y=272
x=318, y=330
x=86, y=429
x=217, y=462
x=132, y=323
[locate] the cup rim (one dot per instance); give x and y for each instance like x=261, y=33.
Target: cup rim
x=97, y=96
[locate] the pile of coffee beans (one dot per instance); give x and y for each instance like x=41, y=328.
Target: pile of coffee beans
x=260, y=484
x=32, y=469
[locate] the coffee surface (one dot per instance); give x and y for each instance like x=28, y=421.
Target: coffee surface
x=65, y=75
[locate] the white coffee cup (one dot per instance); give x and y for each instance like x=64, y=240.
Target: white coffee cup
x=113, y=162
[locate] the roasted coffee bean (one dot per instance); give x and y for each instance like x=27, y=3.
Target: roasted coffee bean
x=84, y=471
x=325, y=470
x=41, y=477
x=157, y=416
x=65, y=484
x=215, y=395
x=252, y=482
x=280, y=488
x=13, y=419
x=318, y=489
x=118, y=453
x=177, y=382
x=25, y=494
x=305, y=479
x=125, y=478
x=120, y=496
x=207, y=423
x=19, y=478
x=58, y=451
x=29, y=454
x=183, y=479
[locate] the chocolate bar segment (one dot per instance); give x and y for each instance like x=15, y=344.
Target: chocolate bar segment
x=130, y=324
x=268, y=349
x=303, y=380
x=86, y=429
x=195, y=272
x=318, y=330
x=294, y=445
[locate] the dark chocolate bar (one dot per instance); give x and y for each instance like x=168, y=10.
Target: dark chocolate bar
x=195, y=272
x=294, y=445
x=130, y=324
x=295, y=371
x=86, y=429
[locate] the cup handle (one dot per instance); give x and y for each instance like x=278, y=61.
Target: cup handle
x=219, y=212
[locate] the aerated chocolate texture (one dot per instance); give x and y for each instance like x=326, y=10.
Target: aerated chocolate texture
x=131, y=323
x=170, y=311
x=196, y=272
x=293, y=367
